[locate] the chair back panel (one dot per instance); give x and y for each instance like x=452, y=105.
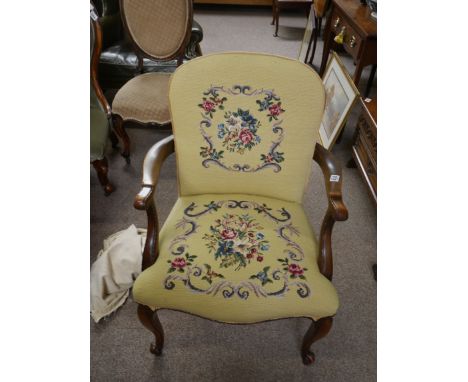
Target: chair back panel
x=159, y=28
x=245, y=123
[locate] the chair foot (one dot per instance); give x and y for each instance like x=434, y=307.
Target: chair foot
x=317, y=330
x=308, y=358
x=150, y=321
x=102, y=168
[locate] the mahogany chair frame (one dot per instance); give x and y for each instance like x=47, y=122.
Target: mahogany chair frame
x=118, y=121
x=336, y=211
x=100, y=165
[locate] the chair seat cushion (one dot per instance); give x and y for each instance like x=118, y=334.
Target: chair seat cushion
x=238, y=259
x=144, y=99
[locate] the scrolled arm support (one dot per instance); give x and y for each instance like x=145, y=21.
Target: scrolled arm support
x=336, y=211
x=144, y=200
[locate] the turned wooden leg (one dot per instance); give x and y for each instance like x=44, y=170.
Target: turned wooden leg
x=117, y=125
x=150, y=321
x=318, y=329
x=102, y=168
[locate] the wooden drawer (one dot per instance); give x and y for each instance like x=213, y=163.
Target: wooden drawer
x=352, y=41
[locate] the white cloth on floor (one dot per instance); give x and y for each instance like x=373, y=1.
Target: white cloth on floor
x=115, y=269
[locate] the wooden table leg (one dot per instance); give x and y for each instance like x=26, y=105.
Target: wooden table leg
x=371, y=80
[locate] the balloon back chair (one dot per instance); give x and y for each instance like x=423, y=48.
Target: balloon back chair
x=100, y=113
x=237, y=246
x=159, y=30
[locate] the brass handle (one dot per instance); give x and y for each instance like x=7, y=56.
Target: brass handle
x=337, y=22
x=340, y=37
x=352, y=42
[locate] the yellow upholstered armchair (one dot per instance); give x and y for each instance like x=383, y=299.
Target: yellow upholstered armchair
x=237, y=246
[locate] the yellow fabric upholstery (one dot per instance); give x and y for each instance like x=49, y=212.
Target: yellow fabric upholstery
x=245, y=123
x=239, y=259
x=144, y=99
x=158, y=27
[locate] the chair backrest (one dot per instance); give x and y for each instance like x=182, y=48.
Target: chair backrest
x=245, y=123
x=159, y=29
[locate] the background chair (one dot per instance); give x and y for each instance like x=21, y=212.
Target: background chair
x=237, y=247
x=100, y=110
x=159, y=30
x=278, y=5
x=118, y=61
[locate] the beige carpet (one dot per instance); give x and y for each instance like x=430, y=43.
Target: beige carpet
x=201, y=350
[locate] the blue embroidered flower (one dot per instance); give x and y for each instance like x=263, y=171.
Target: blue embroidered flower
x=260, y=236
x=264, y=247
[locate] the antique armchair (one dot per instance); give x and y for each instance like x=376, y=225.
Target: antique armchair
x=237, y=246
x=159, y=30
x=118, y=62
x=99, y=110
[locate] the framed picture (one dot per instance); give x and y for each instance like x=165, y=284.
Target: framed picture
x=341, y=94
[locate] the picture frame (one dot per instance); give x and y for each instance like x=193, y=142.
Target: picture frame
x=340, y=96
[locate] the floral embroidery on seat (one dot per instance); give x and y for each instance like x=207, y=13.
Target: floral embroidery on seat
x=239, y=130
x=237, y=240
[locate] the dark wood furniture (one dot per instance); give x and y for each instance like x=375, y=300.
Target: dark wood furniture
x=278, y=5
x=364, y=148
x=352, y=24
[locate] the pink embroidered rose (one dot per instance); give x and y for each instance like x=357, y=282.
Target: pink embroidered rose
x=249, y=255
x=208, y=105
x=260, y=258
x=228, y=234
x=275, y=109
x=295, y=270
x=246, y=136
x=179, y=262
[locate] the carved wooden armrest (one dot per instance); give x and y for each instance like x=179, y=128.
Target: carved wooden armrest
x=336, y=211
x=144, y=200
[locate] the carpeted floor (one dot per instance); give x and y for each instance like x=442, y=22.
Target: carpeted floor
x=201, y=350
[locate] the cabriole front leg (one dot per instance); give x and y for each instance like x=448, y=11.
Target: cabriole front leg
x=150, y=321
x=317, y=330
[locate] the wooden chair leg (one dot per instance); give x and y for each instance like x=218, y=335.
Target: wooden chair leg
x=277, y=12
x=102, y=168
x=114, y=139
x=117, y=125
x=150, y=321
x=274, y=12
x=318, y=329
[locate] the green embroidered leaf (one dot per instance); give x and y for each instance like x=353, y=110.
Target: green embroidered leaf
x=180, y=270
x=302, y=277
x=253, y=277
x=171, y=270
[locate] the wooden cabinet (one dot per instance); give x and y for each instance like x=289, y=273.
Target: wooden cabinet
x=365, y=145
